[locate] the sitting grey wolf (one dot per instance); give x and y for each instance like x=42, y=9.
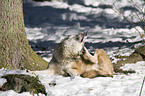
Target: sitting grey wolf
x=65, y=53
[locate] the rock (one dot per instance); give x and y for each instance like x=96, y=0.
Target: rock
x=141, y=51
x=137, y=55
x=23, y=83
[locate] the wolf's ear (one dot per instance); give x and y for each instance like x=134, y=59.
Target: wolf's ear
x=67, y=37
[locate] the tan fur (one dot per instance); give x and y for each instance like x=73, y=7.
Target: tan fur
x=92, y=66
x=104, y=62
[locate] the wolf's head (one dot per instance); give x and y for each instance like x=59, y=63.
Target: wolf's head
x=70, y=47
x=79, y=38
x=74, y=43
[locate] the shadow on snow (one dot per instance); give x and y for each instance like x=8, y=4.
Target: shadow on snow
x=37, y=16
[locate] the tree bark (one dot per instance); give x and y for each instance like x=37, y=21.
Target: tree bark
x=15, y=51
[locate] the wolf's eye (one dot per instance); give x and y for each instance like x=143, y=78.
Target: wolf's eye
x=77, y=38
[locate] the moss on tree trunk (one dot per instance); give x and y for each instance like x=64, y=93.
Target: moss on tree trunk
x=15, y=51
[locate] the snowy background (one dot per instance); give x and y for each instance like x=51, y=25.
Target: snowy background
x=47, y=23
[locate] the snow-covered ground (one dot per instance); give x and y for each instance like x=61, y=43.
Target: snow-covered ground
x=47, y=23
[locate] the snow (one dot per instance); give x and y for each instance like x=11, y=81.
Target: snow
x=119, y=85
x=47, y=23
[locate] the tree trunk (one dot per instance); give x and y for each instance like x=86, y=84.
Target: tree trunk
x=15, y=51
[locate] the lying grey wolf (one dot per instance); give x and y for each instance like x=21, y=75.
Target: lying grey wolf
x=97, y=65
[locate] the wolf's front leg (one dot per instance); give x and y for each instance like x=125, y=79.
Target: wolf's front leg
x=87, y=56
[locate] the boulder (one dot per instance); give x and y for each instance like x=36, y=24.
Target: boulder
x=137, y=55
x=23, y=83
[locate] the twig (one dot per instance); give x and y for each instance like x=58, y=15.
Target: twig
x=140, y=10
x=135, y=5
x=142, y=86
x=117, y=11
